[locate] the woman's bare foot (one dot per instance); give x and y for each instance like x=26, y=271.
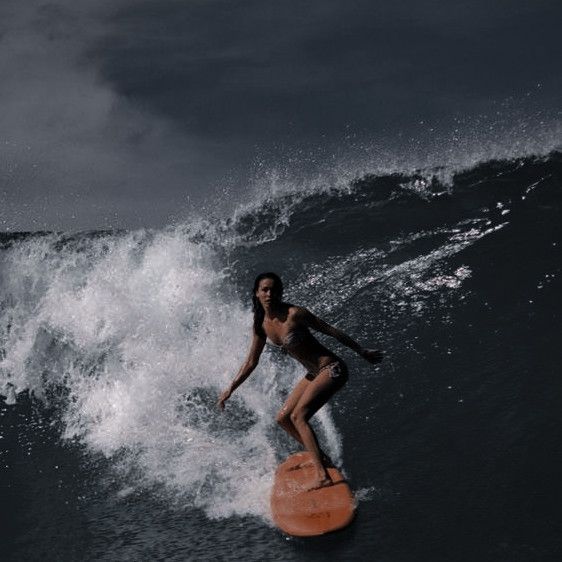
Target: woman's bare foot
x=320, y=483
x=300, y=465
x=326, y=461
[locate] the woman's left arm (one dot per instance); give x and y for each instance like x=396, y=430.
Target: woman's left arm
x=312, y=321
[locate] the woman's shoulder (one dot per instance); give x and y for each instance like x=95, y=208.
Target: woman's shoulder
x=296, y=312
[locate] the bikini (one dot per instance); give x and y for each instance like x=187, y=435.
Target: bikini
x=297, y=336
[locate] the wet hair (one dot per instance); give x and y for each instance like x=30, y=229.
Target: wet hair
x=259, y=312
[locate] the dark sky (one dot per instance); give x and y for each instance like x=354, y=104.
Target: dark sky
x=132, y=113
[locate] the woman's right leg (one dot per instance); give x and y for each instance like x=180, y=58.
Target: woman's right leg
x=312, y=399
x=284, y=415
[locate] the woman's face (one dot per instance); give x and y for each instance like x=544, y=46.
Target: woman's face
x=267, y=292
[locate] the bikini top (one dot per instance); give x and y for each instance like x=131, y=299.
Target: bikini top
x=293, y=338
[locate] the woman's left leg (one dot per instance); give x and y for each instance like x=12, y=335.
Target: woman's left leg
x=320, y=390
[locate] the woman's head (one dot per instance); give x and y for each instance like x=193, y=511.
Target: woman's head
x=268, y=286
x=268, y=290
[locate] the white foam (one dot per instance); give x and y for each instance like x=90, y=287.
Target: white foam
x=142, y=333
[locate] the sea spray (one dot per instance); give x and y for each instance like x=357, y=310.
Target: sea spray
x=132, y=337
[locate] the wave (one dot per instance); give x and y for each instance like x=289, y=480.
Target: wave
x=129, y=336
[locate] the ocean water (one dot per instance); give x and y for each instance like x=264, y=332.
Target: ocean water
x=115, y=345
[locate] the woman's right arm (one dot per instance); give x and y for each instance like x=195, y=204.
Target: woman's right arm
x=258, y=343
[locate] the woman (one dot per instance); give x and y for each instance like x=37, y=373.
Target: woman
x=287, y=326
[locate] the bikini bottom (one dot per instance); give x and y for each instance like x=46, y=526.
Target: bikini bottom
x=336, y=370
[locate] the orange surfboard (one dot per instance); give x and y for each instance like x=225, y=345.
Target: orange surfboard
x=304, y=513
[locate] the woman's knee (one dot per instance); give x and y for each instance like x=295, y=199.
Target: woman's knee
x=283, y=417
x=298, y=416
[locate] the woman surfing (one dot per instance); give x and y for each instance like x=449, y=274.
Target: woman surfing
x=287, y=326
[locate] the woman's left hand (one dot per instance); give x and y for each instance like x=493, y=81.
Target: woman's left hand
x=372, y=355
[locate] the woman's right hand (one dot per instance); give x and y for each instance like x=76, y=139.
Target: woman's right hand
x=223, y=398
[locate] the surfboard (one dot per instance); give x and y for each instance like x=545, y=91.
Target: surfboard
x=303, y=513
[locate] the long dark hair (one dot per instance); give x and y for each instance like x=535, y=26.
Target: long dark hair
x=259, y=312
